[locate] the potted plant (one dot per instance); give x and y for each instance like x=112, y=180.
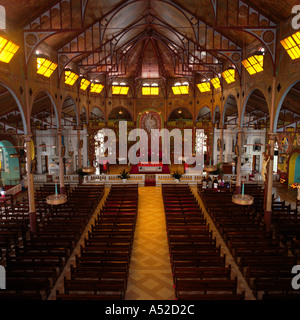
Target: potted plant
x=124, y=175
x=177, y=175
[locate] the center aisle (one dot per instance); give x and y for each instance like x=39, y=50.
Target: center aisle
x=150, y=275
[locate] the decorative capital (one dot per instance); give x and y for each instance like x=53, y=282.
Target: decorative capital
x=272, y=136
x=27, y=138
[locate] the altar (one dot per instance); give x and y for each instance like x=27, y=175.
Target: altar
x=145, y=167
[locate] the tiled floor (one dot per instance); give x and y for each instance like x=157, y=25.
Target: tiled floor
x=150, y=276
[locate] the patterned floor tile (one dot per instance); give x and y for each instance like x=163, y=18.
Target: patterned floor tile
x=150, y=275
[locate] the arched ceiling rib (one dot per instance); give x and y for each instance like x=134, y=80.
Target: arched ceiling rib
x=90, y=27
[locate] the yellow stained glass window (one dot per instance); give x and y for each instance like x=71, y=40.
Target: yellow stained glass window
x=96, y=87
x=216, y=83
x=204, y=86
x=229, y=75
x=254, y=64
x=45, y=67
x=120, y=90
x=292, y=45
x=153, y=91
x=180, y=90
x=7, y=50
x=70, y=77
x=84, y=84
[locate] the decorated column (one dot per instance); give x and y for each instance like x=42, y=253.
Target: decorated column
x=79, y=147
x=220, y=143
x=269, y=177
x=61, y=162
x=269, y=182
x=31, y=199
x=238, y=152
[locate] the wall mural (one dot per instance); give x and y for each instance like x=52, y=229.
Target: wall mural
x=287, y=143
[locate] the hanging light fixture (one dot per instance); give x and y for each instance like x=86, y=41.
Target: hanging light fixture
x=89, y=169
x=243, y=199
x=120, y=112
x=56, y=199
x=210, y=168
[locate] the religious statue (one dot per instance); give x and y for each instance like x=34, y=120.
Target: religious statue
x=236, y=150
x=264, y=171
x=63, y=151
x=34, y=166
x=219, y=144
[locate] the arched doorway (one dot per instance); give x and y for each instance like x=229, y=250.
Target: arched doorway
x=287, y=126
x=9, y=164
x=294, y=168
x=96, y=116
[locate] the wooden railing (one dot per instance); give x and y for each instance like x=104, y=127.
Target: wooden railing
x=16, y=189
x=191, y=179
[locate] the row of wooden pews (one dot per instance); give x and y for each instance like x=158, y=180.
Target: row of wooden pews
x=14, y=222
x=102, y=268
x=261, y=257
x=34, y=266
x=199, y=270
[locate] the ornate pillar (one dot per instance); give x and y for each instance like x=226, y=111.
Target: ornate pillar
x=239, y=161
x=61, y=163
x=272, y=138
x=79, y=147
x=31, y=199
x=222, y=142
x=269, y=185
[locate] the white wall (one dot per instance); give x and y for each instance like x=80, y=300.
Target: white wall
x=49, y=138
x=249, y=138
